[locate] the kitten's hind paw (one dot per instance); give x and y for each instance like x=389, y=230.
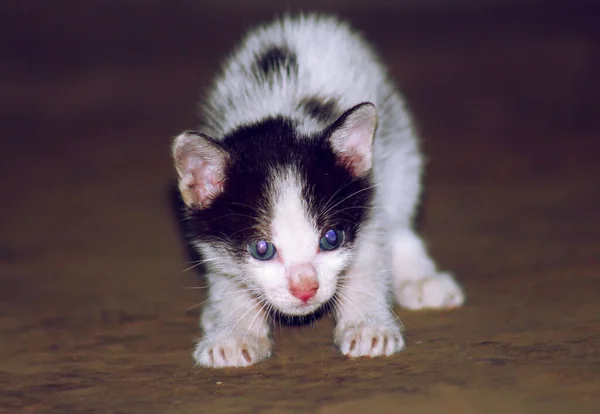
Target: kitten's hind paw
x=231, y=350
x=369, y=340
x=435, y=292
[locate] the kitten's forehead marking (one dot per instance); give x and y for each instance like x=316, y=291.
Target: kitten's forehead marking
x=293, y=230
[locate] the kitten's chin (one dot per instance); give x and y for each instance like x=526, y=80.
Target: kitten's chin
x=299, y=311
x=302, y=309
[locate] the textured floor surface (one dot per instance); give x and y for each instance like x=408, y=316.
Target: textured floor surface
x=93, y=294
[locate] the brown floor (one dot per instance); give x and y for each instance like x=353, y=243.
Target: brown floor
x=93, y=296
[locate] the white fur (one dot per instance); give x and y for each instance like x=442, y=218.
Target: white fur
x=335, y=62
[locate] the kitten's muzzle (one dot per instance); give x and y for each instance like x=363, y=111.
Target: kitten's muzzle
x=302, y=281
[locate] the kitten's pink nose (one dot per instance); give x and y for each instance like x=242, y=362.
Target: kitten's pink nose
x=302, y=281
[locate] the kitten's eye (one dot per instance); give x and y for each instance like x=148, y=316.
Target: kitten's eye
x=262, y=250
x=331, y=240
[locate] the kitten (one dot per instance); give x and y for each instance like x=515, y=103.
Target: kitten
x=300, y=191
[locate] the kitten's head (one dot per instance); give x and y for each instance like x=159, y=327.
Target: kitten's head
x=277, y=210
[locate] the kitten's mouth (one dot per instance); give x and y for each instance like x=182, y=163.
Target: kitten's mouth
x=301, y=310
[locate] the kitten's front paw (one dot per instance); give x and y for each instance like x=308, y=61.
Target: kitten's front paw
x=369, y=340
x=434, y=292
x=232, y=350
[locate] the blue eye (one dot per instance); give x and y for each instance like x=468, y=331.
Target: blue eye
x=262, y=250
x=331, y=240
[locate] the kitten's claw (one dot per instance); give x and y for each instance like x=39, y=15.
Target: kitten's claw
x=436, y=292
x=232, y=351
x=369, y=340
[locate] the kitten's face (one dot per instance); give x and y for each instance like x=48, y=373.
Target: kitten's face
x=292, y=251
x=285, y=217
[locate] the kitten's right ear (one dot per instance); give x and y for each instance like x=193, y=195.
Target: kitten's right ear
x=200, y=162
x=352, y=138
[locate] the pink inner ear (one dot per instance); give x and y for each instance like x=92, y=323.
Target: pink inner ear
x=352, y=140
x=353, y=149
x=201, y=164
x=204, y=180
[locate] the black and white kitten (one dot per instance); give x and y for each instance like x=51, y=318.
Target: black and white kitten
x=300, y=191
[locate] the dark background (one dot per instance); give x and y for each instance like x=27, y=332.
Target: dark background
x=93, y=293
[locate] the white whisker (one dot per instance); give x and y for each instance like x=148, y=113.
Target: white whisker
x=347, y=197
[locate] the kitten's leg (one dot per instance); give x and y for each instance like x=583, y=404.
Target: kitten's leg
x=235, y=325
x=366, y=325
x=417, y=283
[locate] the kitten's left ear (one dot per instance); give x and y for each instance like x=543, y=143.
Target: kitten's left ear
x=352, y=138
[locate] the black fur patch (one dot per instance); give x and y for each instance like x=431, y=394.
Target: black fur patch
x=242, y=213
x=276, y=61
x=321, y=109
